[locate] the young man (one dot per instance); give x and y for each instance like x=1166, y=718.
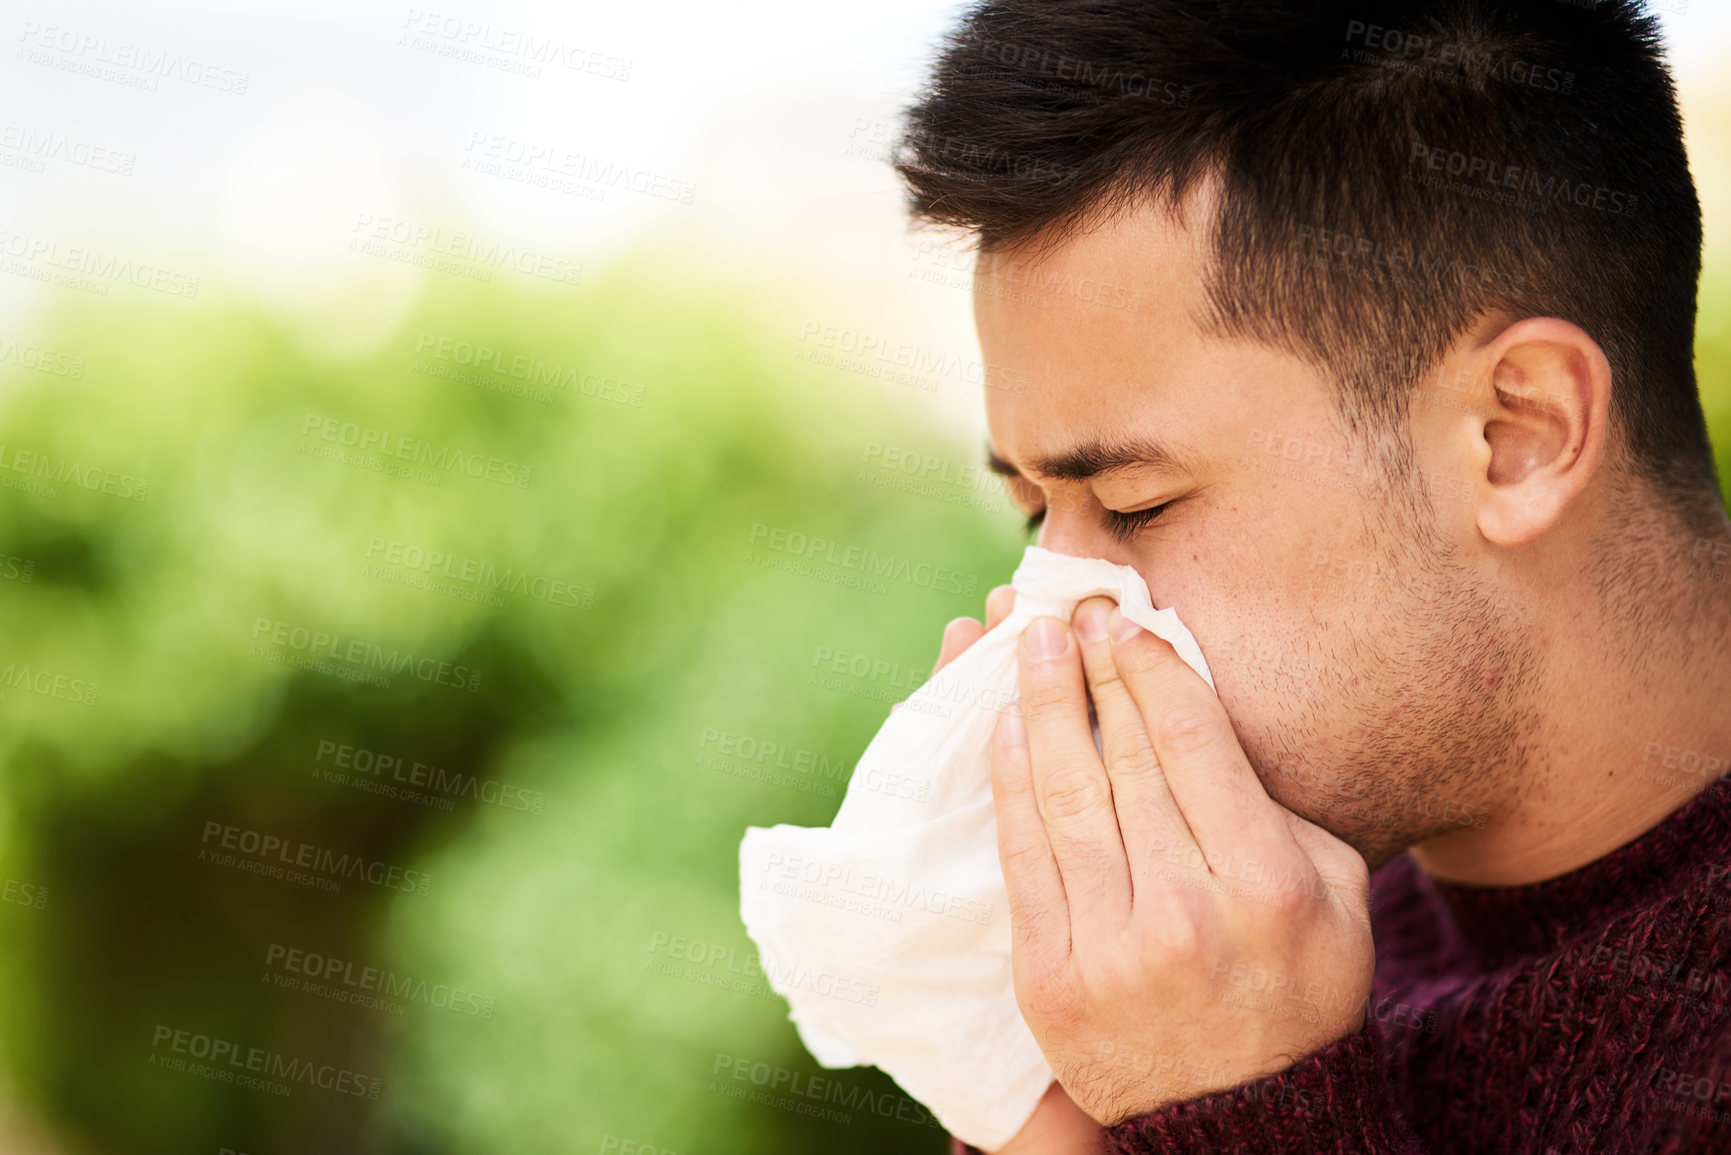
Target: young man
x=1364, y=332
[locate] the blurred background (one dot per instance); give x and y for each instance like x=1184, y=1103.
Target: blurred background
x=414, y=424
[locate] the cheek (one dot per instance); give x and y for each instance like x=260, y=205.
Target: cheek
x=1237, y=582
x=1253, y=592
x=1289, y=558
x=1225, y=601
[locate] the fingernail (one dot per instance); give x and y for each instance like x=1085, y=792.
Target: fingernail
x=1047, y=639
x=1010, y=725
x=1091, y=623
x=1123, y=629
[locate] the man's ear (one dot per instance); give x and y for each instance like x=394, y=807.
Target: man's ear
x=1544, y=429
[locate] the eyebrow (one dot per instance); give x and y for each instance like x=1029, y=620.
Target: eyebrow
x=1091, y=459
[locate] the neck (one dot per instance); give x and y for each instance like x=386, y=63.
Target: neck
x=1635, y=719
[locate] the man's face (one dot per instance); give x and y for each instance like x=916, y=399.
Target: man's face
x=1362, y=659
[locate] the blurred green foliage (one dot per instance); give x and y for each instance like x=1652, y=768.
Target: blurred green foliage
x=1713, y=365
x=683, y=422
x=673, y=427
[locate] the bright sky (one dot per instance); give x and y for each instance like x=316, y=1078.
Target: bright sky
x=280, y=133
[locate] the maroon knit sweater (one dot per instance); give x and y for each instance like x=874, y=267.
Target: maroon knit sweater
x=1591, y=1012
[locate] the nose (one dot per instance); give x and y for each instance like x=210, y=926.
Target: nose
x=1073, y=525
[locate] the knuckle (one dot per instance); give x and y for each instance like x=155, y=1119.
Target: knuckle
x=1188, y=729
x=1345, y=866
x=1288, y=900
x=1118, y=974
x=1027, y=910
x=1040, y=697
x=1142, y=655
x=1345, y=886
x=1178, y=945
x=1103, y=675
x=1073, y=791
x=1133, y=761
x=1009, y=780
x=1050, y=999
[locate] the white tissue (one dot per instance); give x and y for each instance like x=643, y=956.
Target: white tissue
x=888, y=931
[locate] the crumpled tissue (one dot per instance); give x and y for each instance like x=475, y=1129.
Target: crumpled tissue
x=888, y=932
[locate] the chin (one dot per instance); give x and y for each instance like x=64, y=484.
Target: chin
x=1376, y=835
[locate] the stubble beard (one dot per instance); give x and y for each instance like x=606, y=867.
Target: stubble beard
x=1440, y=680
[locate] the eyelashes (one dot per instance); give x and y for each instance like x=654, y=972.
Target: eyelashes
x=1122, y=526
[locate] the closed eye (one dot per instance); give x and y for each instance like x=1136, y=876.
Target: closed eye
x=1122, y=526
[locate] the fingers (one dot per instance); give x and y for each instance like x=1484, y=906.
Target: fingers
x=1149, y=822
x=1070, y=783
x=958, y=636
x=1039, y=914
x=961, y=633
x=964, y=632
x=1223, y=803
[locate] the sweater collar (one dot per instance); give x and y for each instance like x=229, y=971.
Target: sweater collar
x=1503, y=923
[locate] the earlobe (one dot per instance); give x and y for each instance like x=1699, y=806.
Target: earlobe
x=1546, y=428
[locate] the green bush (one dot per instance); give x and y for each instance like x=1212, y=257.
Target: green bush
x=671, y=427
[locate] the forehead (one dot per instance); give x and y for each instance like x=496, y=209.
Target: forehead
x=1103, y=329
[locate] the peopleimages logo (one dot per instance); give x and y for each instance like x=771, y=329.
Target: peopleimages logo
x=60, y=471
x=40, y=147
x=1526, y=187
x=227, y=1061
x=277, y=851
x=1443, y=58
x=24, y=893
x=78, y=691
x=27, y=356
x=474, y=572
x=921, y=366
x=359, y=764
x=859, y=559
x=360, y=657
x=90, y=54
x=423, y=453
x=475, y=39
x=793, y=1090
x=322, y=971
x=487, y=361
x=104, y=267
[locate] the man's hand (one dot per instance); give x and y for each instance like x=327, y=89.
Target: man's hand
x=1057, y=1126
x=1175, y=930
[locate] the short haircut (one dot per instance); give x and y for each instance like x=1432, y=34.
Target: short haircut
x=1391, y=170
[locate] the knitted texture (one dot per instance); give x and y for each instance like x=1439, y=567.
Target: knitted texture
x=1589, y=1013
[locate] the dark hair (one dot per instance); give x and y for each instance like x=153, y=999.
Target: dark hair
x=1391, y=169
